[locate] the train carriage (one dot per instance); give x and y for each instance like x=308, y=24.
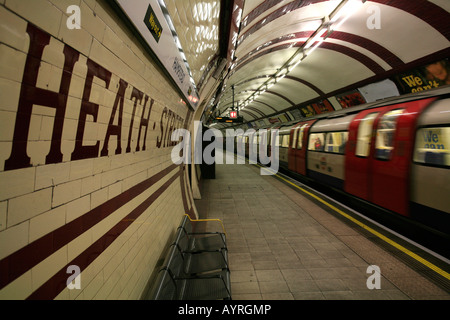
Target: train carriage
x=430, y=167
x=394, y=153
x=326, y=150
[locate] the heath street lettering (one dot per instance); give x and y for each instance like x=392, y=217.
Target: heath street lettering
x=31, y=95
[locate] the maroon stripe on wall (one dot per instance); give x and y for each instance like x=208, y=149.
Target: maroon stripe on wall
x=370, y=45
x=57, y=283
x=19, y=262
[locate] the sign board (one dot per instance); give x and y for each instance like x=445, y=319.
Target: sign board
x=233, y=114
x=151, y=21
x=229, y=120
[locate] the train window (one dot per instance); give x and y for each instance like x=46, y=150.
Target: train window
x=433, y=146
x=300, y=138
x=385, y=134
x=365, y=135
x=295, y=137
x=316, y=142
x=336, y=141
x=284, y=141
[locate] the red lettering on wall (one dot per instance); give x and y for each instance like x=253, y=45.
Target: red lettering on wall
x=30, y=95
x=89, y=108
x=116, y=130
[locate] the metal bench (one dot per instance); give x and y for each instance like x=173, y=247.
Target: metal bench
x=196, y=266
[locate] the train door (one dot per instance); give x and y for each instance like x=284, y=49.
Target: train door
x=391, y=167
x=379, y=156
x=358, y=162
x=293, y=147
x=300, y=148
x=283, y=146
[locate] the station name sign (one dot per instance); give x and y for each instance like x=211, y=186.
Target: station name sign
x=149, y=19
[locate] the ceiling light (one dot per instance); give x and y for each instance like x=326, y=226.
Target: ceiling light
x=344, y=12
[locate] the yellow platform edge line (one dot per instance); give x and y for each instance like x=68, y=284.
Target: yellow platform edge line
x=374, y=232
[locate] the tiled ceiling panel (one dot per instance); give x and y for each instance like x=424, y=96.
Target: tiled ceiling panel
x=197, y=25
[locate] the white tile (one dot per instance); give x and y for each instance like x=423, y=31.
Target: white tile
x=77, y=208
x=39, y=13
x=28, y=206
x=13, y=30
x=12, y=63
x=47, y=222
x=3, y=210
x=52, y=175
x=7, y=124
x=66, y=192
x=13, y=239
x=79, y=39
x=10, y=93
x=91, y=22
x=16, y=183
x=81, y=169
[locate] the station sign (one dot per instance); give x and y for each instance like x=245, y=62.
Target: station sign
x=229, y=120
x=152, y=21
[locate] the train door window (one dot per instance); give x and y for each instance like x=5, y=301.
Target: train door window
x=336, y=141
x=316, y=142
x=300, y=138
x=295, y=137
x=365, y=135
x=433, y=146
x=385, y=134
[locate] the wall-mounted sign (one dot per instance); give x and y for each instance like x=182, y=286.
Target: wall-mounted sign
x=229, y=120
x=151, y=20
x=153, y=24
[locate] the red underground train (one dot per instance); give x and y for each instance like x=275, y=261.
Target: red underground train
x=393, y=153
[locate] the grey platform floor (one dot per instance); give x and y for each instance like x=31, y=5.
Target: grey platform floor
x=282, y=246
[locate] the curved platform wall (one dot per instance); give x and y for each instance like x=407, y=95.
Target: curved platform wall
x=86, y=178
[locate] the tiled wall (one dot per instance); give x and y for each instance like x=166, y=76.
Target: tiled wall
x=70, y=193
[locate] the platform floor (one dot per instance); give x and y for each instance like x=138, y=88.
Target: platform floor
x=283, y=246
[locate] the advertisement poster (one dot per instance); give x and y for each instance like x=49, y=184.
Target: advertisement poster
x=323, y=106
x=433, y=75
x=307, y=111
x=350, y=99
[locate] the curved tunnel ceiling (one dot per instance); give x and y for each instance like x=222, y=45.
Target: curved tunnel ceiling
x=282, y=54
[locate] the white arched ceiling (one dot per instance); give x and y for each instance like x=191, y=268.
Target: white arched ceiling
x=265, y=35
